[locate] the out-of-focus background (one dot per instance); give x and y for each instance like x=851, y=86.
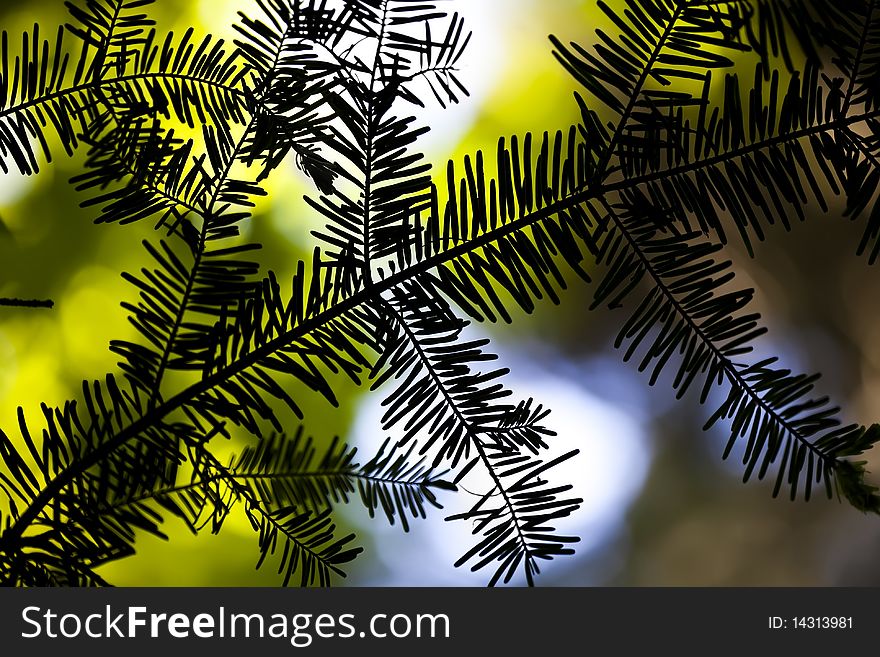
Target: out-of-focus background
x=661, y=508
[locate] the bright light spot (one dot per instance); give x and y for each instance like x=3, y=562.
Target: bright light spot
x=218, y=16
x=608, y=473
x=14, y=186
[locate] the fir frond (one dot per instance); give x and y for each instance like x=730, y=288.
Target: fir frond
x=51, y=485
x=307, y=539
x=673, y=155
x=439, y=388
x=501, y=241
x=439, y=391
x=109, y=28
x=383, y=181
x=286, y=471
x=38, y=94
x=514, y=516
x=689, y=314
x=183, y=189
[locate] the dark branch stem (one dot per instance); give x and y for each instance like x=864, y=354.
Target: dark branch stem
x=168, y=347
x=27, y=303
x=105, y=43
